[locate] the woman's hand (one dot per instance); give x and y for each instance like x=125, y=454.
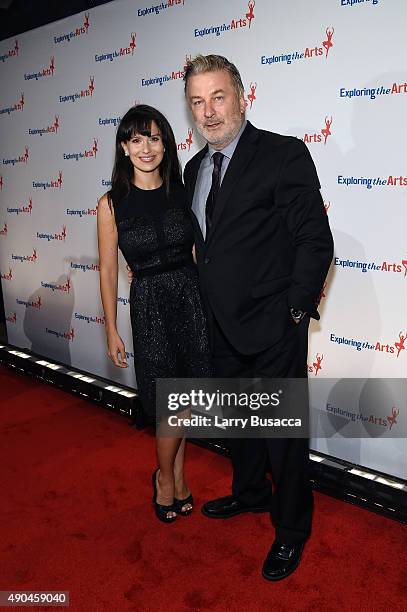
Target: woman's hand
x=130, y=275
x=115, y=347
x=194, y=254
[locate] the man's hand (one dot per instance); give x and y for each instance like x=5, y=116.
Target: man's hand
x=194, y=254
x=115, y=347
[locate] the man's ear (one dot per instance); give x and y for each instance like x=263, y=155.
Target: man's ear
x=242, y=104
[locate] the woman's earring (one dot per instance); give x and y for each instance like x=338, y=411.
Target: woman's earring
x=126, y=153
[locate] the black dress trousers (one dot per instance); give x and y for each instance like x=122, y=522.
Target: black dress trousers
x=290, y=492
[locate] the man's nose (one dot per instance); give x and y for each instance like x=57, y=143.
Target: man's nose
x=208, y=111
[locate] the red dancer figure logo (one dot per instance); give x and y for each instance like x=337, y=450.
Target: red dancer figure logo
x=21, y=102
x=403, y=261
x=250, y=15
x=92, y=85
x=317, y=364
x=52, y=65
x=38, y=303
x=132, y=42
x=30, y=205
x=63, y=233
x=68, y=284
x=34, y=256
x=326, y=130
x=71, y=334
x=251, y=97
x=393, y=418
x=12, y=318
x=188, y=58
x=3, y=232
x=25, y=156
x=16, y=47
x=189, y=139
x=95, y=147
x=56, y=123
x=328, y=42
x=7, y=276
x=327, y=205
x=400, y=345
x=59, y=181
x=86, y=22
x=1, y=183
x=322, y=294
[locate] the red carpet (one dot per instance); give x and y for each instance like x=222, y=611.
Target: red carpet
x=76, y=515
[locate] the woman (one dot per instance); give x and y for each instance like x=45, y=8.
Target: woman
x=146, y=216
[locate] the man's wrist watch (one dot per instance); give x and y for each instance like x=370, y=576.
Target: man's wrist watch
x=297, y=314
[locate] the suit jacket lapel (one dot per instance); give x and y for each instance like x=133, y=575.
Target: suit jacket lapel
x=246, y=148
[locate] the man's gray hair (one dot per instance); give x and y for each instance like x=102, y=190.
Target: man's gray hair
x=211, y=63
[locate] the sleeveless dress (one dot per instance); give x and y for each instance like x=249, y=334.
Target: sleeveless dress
x=170, y=338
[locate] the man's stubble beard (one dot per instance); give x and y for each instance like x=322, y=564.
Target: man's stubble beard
x=226, y=138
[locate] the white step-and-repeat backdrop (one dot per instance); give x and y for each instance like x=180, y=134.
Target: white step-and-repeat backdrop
x=331, y=72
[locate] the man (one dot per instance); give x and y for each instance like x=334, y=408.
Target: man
x=263, y=248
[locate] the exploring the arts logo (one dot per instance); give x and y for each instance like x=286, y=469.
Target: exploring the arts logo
x=20, y=159
x=63, y=287
x=321, y=50
x=118, y=53
x=86, y=153
x=97, y=319
x=16, y=106
x=235, y=24
x=12, y=52
x=53, y=236
x=81, y=94
x=85, y=267
x=43, y=72
x=50, y=183
x=21, y=208
x=52, y=128
x=62, y=335
x=393, y=348
x=156, y=9
x=23, y=258
x=168, y=77
x=78, y=31
x=385, y=265
x=36, y=304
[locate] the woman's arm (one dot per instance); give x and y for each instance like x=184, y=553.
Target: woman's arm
x=108, y=261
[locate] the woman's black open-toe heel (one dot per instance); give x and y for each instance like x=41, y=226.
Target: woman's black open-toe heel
x=179, y=503
x=160, y=510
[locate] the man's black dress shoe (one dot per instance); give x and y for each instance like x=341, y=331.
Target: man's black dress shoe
x=226, y=507
x=282, y=560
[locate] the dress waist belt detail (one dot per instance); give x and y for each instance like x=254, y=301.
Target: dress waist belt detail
x=163, y=268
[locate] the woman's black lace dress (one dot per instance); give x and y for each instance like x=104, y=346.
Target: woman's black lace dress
x=169, y=329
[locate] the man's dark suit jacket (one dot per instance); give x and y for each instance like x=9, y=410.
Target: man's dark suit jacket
x=270, y=245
